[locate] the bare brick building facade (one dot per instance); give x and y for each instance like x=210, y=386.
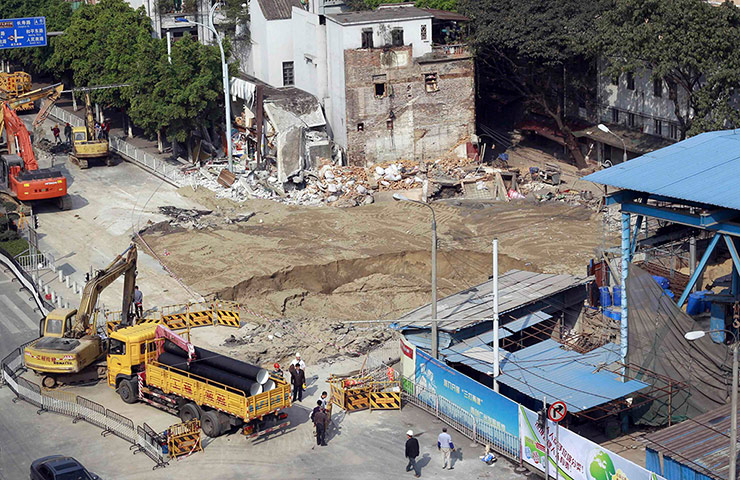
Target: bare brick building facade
x=401, y=107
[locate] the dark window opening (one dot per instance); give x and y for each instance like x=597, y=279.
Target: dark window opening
x=288, y=75
x=630, y=81
x=361, y=127
x=631, y=119
x=367, y=38
x=397, y=37
x=674, y=131
x=322, y=20
x=380, y=90
x=658, y=127
x=424, y=32
x=615, y=115
x=658, y=87
x=117, y=347
x=672, y=90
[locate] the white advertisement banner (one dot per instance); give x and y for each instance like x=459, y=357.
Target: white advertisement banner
x=577, y=458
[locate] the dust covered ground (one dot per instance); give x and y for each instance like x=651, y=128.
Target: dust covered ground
x=314, y=267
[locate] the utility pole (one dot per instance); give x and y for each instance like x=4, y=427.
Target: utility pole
x=496, y=366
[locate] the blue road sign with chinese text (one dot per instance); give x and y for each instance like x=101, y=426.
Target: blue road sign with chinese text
x=22, y=32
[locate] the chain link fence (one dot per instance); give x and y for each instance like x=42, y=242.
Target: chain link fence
x=78, y=408
x=378, y=365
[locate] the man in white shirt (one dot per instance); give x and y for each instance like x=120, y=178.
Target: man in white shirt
x=297, y=360
x=444, y=444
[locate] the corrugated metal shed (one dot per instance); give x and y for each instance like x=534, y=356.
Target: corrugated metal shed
x=578, y=379
x=701, y=169
x=702, y=443
x=517, y=289
x=383, y=14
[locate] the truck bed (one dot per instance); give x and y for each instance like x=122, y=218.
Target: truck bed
x=216, y=395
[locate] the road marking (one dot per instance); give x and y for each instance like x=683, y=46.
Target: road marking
x=19, y=313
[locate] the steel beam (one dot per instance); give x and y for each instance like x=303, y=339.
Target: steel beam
x=673, y=216
x=626, y=258
x=633, y=243
x=699, y=269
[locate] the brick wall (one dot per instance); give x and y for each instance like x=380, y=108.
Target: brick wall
x=425, y=125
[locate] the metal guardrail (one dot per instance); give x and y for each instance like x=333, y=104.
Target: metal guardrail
x=38, y=261
x=149, y=162
x=79, y=408
x=476, y=429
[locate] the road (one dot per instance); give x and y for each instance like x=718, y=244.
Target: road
x=108, y=205
x=19, y=317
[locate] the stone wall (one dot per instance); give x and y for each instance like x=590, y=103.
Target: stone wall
x=402, y=119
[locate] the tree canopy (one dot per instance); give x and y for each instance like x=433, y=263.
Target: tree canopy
x=687, y=43
x=535, y=49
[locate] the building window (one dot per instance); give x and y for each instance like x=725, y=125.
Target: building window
x=397, y=37
x=672, y=90
x=430, y=82
x=615, y=115
x=361, y=127
x=367, y=38
x=288, y=77
x=658, y=87
x=673, y=130
x=380, y=85
x=630, y=81
x=658, y=127
x=631, y=120
x=424, y=32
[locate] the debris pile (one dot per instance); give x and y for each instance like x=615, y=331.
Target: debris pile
x=193, y=218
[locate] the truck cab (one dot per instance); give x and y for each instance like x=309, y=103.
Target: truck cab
x=128, y=350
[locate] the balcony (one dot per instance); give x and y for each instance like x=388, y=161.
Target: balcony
x=446, y=53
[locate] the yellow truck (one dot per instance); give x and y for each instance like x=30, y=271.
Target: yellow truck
x=136, y=375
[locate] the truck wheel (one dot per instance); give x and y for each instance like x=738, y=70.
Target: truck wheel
x=128, y=390
x=211, y=424
x=189, y=411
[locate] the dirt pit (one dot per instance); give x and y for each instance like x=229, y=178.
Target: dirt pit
x=317, y=267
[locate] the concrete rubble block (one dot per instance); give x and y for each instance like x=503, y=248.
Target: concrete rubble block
x=332, y=188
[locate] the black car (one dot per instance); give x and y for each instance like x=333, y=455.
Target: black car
x=59, y=467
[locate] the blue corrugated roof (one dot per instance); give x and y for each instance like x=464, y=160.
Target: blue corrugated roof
x=701, y=169
x=545, y=368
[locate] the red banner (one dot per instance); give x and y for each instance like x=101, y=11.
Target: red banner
x=408, y=351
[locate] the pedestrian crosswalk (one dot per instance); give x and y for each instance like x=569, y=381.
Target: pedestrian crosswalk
x=19, y=317
x=16, y=316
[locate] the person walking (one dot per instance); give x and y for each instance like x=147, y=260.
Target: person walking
x=298, y=379
x=323, y=400
x=319, y=420
x=138, y=302
x=106, y=129
x=68, y=133
x=444, y=444
x=412, y=451
x=55, y=131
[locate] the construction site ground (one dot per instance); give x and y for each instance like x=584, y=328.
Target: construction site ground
x=361, y=445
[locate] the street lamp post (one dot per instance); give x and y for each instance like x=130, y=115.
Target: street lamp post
x=697, y=334
x=435, y=335
x=605, y=129
x=225, y=74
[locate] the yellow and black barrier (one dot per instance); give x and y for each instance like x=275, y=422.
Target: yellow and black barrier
x=361, y=393
x=180, y=317
x=184, y=438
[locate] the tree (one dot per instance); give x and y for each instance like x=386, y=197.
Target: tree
x=57, y=13
x=176, y=98
x=100, y=47
x=692, y=46
x=535, y=49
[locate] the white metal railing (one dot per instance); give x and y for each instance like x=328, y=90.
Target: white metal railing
x=117, y=144
x=30, y=262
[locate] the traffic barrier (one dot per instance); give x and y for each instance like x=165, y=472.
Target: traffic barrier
x=91, y=412
x=385, y=400
x=182, y=316
x=184, y=438
x=357, y=400
x=29, y=392
x=59, y=401
x=150, y=443
x=229, y=318
x=119, y=426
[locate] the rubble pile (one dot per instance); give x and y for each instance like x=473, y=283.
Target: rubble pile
x=193, y=218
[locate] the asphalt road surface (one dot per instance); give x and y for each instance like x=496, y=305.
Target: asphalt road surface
x=19, y=315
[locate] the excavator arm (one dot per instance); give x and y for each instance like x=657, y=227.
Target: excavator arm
x=17, y=136
x=123, y=264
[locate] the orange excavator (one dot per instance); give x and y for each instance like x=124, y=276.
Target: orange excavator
x=21, y=179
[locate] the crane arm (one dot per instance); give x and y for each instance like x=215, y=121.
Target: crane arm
x=125, y=263
x=16, y=131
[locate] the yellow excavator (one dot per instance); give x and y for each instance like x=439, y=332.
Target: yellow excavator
x=69, y=347
x=85, y=144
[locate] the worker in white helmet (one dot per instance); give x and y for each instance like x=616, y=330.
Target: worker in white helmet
x=297, y=361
